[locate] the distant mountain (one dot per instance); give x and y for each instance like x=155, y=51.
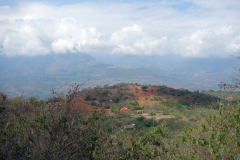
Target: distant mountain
x=202, y=72
x=157, y=64
x=38, y=74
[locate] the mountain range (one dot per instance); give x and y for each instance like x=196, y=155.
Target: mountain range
x=36, y=75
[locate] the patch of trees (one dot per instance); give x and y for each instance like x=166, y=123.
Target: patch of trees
x=89, y=98
x=196, y=95
x=144, y=88
x=134, y=106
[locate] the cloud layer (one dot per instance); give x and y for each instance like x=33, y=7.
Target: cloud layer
x=121, y=28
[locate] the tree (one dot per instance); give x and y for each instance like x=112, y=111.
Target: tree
x=144, y=88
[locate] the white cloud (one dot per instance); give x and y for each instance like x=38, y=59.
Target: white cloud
x=205, y=43
x=73, y=37
x=5, y=7
x=205, y=28
x=132, y=40
x=22, y=38
x=202, y=43
x=63, y=46
x=41, y=36
x=235, y=44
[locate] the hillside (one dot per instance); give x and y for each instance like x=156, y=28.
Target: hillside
x=89, y=124
x=122, y=95
x=130, y=92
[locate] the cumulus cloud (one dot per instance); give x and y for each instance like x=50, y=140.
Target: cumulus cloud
x=73, y=37
x=235, y=45
x=205, y=43
x=202, y=43
x=23, y=38
x=141, y=28
x=41, y=37
x=132, y=40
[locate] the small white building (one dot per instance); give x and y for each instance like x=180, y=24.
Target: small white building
x=132, y=127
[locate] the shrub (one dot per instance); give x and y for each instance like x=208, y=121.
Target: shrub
x=93, y=103
x=178, y=106
x=125, y=98
x=39, y=131
x=115, y=108
x=148, y=123
x=177, y=114
x=185, y=103
x=165, y=110
x=144, y=88
x=132, y=104
x=140, y=119
x=105, y=93
x=152, y=113
x=102, y=99
x=107, y=106
x=192, y=118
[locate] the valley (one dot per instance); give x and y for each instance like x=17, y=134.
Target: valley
x=37, y=75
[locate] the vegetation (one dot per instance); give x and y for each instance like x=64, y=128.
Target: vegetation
x=152, y=113
x=33, y=129
x=144, y=88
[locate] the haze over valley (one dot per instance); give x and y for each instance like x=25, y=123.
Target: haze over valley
x=37, y=75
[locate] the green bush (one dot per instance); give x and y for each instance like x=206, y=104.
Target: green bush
x=115, y=108
x=165, y=110
x=192, y=118
x=132, y=104
x=144, y=88
x=178, y=106
x=140, y=119
x=105, y=93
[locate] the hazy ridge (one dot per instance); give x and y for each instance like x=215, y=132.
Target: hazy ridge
x=36, y=75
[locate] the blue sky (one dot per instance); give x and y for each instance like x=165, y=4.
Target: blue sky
x=189, y=28
x=181, y=6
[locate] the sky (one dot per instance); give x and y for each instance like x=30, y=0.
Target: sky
x=187, y=28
